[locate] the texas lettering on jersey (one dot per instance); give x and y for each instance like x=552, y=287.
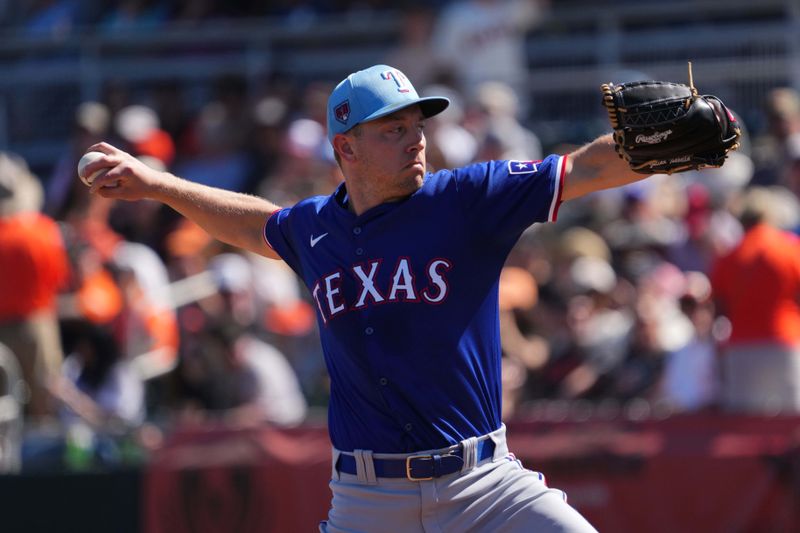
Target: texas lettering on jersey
x=404, y=285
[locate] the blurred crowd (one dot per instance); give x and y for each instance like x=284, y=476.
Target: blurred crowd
x=128, y=321
x=61, y=17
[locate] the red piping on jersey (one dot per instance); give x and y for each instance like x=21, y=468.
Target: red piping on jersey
x=560, y=186
x=264, y=230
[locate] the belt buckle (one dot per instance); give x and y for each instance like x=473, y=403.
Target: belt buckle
x=408, y=467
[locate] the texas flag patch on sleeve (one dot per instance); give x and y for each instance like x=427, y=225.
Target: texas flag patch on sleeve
x=522, y=167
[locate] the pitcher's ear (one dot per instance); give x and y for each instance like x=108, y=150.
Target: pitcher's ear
x=343, y=147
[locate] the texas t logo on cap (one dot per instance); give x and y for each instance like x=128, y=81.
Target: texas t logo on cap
x=399, y=79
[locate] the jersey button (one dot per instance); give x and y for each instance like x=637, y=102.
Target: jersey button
x=383, y=381
x=369, y=331
x=357, y=230
x=359, y=251
x=408, y=427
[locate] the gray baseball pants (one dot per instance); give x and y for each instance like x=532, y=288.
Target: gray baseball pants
x=495, y=495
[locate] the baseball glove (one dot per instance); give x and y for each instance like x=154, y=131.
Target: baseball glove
x=662, y=127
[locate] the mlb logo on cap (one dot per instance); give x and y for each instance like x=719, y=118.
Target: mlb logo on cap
x=373, y=93
x=342, y=112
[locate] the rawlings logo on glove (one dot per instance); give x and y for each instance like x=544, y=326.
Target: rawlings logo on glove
x=663, y=127
x=654, y=138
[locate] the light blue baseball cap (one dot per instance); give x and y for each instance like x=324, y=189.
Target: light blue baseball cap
x=373, y=93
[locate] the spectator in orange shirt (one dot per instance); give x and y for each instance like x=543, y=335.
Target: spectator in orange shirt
x=757, y=286
x=34, y=268
x=121, y=281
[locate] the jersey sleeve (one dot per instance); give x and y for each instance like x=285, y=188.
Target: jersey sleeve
x=505, y=197
x=279, y=236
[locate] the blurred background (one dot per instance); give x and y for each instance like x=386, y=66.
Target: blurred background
x=154, y=379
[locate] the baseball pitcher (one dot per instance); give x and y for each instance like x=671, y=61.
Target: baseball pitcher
x=403, y=267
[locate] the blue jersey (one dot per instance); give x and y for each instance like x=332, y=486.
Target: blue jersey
x=407, y=303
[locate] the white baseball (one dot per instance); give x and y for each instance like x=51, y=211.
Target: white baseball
x=87, y=158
